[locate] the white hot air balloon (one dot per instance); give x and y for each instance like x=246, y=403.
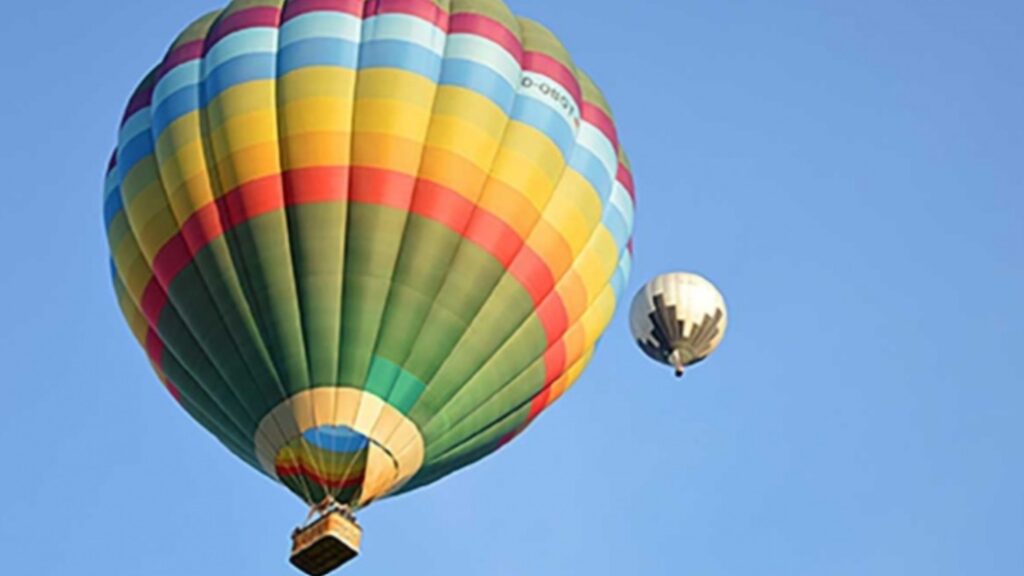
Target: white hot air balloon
x=678, y=319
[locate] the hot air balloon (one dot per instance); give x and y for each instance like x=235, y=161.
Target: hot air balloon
x=678, y=319
x=366, y=243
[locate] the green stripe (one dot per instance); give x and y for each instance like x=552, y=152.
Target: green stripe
x=538, y=38
x=317, y=234
x=374, y=237
x=493, y=9
x=197, y=30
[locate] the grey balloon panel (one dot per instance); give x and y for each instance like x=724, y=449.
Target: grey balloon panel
x=669, y=334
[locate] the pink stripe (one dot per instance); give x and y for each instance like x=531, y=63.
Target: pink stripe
x=626, y=179
x=180, y=55
x=155, y=348
x=594, y=115
x=140, y=99
x=480, y=25
x=153, y=301
x=172, y=259
x=299, y=7
x=175, y=393
x=424, y=9
x=543, y=64
x=260, y=16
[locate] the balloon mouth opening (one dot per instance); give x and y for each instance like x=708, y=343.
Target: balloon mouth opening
x=324, y=460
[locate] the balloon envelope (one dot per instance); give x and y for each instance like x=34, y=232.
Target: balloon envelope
x=678, y=319
x=365, y=244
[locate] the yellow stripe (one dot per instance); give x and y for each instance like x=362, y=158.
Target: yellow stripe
x=157, y=232
x=574, y=295
x=397, y=85
x=387, y=152
x=316, y=149
x=246, y=165
x=549, y=242
x=596, y=318
x=240, y=100
x=472, y=108
x=135, y=271
x=317, y=82
x=136, y=321
x=117, y=230
x=594, y=264
x=391, y=117
x=316, y=115
x=460, y=137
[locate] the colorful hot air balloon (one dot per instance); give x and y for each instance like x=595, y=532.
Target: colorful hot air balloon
x=365, y=244
x=678, y=319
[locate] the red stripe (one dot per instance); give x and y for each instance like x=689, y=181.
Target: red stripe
x=553, y=317
x=539, y=403
x=316, y=184
x=543, y=64
x=435, y=202
x=303, y=470
x=596, y=116
x=251, y=200
x=369, y=186
x=509, y=437
x=201, y=228
x=255, y=17
x=424, y=9
x=175, y=393
x=380, y=186
x=529, y=268
x=494, y=236
x=480, y=25
x=554, y=361
x=299, y=7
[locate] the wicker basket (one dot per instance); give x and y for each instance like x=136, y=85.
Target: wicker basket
x=325, y=544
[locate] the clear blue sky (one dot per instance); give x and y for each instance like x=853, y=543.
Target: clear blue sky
x=849, y=173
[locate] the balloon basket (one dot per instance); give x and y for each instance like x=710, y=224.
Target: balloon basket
x=325, y=544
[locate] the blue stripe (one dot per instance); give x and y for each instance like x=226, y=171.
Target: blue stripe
x=550, y=123
x=373, y=54
x=480, y=79
x=317, y=52
x=247, y=68
x=111, y=206
x=615, y=224
x=593, y=170
x=133, y=152
x=397, y=54
x=340, y=439
x=174, y=106
x=618, y=281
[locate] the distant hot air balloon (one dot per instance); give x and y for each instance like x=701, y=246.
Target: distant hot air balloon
x=678, y=319
x=366, y=243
